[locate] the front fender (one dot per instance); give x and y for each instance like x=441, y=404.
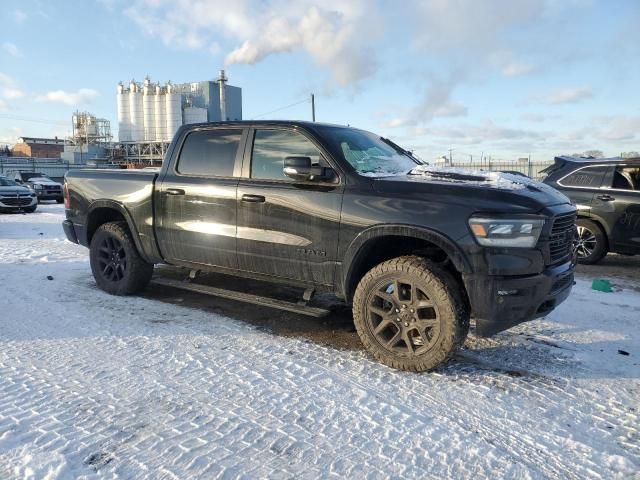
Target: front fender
x=355, y=249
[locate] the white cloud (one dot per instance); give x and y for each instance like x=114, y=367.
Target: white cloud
x=517, y=69
x=567, y=95
x=81, y=96
x=19, y=16
x=329, y=32
x=12, y=49
x=436, y=102
x=8, y=91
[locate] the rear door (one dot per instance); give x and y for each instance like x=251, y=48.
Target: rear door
x=285, y=228
x=582, y=185
x=196, y=210
x=619, y=203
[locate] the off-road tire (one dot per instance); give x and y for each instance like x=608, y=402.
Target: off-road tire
x=600, y=238
x=440, y=288
x=135, y=273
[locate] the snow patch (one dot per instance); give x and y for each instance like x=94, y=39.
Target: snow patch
x=481, y=178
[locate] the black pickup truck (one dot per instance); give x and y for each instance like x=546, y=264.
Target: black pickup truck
x=416, y=250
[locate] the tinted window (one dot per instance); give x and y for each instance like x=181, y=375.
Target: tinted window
x=270, y=147
x=589, y=177
x=209, y=153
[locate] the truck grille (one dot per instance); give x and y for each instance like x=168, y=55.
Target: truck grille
x=562, y=236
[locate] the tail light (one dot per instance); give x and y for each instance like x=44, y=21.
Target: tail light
x=66, y=194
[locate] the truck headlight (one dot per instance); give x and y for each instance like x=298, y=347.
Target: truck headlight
x=506, y=232
x=37, y=186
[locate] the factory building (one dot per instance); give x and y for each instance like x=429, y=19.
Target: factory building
x=38, y=147
x=152, y=113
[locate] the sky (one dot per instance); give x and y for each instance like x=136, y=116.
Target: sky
x=499, y=78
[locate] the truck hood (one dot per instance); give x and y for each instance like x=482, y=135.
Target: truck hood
x=487, y=191
x=44, y=182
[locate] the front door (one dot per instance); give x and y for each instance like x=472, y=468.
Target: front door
x=196, y=212
x=285, y=228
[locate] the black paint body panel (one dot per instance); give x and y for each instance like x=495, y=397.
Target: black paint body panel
x=315, y=233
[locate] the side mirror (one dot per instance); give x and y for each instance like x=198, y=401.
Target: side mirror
x=300, y=169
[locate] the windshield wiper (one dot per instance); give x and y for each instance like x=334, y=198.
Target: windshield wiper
x=401, y=150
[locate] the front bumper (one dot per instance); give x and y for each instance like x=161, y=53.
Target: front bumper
x=49, y=195
x=500, y=302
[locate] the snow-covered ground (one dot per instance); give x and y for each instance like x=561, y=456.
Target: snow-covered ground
x=95, y=386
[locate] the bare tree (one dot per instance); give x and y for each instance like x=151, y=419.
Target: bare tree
x=590, y=153
x=630, y=155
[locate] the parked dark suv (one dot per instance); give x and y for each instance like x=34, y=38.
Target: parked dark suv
x=45, y=188
x=606, y=193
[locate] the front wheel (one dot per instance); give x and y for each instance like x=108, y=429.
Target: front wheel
x=409, y=314
x=30, y=209
x=591, y=242
x=115, y=261
x=59, y=200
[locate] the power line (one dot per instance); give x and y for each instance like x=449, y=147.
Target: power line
x=31, y=119
x=281, y=108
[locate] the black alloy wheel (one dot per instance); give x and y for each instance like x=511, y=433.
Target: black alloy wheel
x=402, y=317
x=112, y=259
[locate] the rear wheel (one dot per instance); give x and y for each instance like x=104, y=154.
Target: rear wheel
x=591, y=242
x=115, y=261
x=409, y=314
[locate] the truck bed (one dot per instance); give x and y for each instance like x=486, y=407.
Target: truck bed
x=130, y=191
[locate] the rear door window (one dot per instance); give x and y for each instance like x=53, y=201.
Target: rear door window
x=209, y=153
x=587, y=177
x=626, y=178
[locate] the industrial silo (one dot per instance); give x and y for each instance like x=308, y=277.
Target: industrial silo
x=136, y=113
x=160, y=119
x=124, y=127
x=174, y=111
x=148, y=110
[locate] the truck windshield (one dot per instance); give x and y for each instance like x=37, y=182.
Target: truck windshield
x=369, y=154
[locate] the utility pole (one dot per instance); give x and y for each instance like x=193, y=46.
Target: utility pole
x=313, y=107
x=451, y=156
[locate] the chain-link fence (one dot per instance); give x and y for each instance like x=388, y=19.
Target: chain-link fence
x=527, y=167
x=51, y=167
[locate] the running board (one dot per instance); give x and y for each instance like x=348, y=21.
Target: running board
x=243, y=297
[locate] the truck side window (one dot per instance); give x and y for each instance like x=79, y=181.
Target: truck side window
x=270, y=147
x=589, y=177
x=210, y=153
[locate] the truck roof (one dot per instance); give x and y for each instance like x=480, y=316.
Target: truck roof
x=571, y=159
x=265, y=123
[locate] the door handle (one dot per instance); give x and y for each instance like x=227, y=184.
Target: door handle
x=253, y=198
x=174, y=191
x=605, y=198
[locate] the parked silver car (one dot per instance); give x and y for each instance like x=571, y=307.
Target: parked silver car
x=14, y=197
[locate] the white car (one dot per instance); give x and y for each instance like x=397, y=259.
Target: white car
x=14, y=197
